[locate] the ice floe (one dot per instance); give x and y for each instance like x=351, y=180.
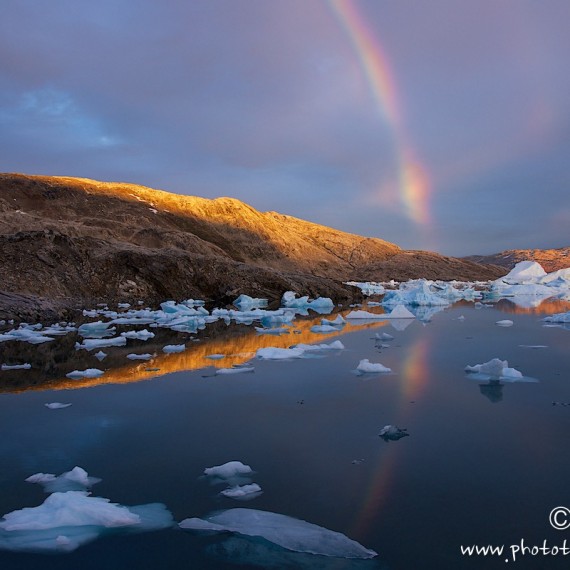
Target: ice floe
x=272, y=353
x=336, y=345
x=65, y=521
x=504, y=323
x=75, y=480
x=558, y=318
x=228, y=470
x=288, y=532
x=497, y=369
x=367, y=367
x=93, y=343
x=56, y=406
x=319, y=304
x=398, y=312
x=89, y=373
x=236, y=370
x=242, y=491
x=145, y=356
x=25, y=366
x=139, y=335
x=170, y=348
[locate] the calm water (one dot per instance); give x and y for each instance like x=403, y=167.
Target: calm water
x=482, y=465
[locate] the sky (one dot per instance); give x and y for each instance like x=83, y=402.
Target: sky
x=439, y=125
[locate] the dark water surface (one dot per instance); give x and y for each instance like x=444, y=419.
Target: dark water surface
x=484, y=463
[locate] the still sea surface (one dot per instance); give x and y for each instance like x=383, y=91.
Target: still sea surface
x=484, y=464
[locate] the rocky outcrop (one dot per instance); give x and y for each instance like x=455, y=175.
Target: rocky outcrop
x=68, y=242
x=550, y=259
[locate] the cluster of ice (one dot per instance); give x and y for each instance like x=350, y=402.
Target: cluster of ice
x=289, y=533
x=367, y=367
x=97, y=329
x=291, y=301
x=529, y=278
x=89, y=373
x=297, y=351
x=65, y=521
x=246, y=303
x=495, y=369
x=421, y=292
x=236, y=475
x=32, y=334
x=368, y=288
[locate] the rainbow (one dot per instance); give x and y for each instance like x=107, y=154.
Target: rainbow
x=413, y=183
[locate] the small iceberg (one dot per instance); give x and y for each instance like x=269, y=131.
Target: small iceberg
x=93, y=343
x=228, y=470
x=247, y=303
x=497, y=369
x=138, y=335
x=367, y=367
x=171, y=348
x=65, y=521
x=504, y=323
x=392, y=433
x=242, y=492
x=272, y=353
x=89, y=373
x=336, y=345
x=288, y=532
x=398, y=312
x=56, y=406
x=16, y=366
x=75, y=480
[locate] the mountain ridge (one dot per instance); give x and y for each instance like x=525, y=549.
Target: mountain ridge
x=551, y=259
x=73, y=241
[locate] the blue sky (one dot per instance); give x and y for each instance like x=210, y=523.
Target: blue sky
x=270, y=102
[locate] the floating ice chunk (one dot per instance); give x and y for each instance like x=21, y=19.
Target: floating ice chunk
x=287, y=532
x=495, y=368
x=504, y=323
x=392, y=433
x=123, y=305
x=98, y=329
x=336, y=345
x=100, y=355
x=65, y=521
x=242, y=491
x=139, y=335
x=57, y=406
x=271, y=353
x=246, y=303
x=26, y=366
x=461, y=318
x=89, y=373
x=419, y=293
x=228, y=470
x=216, y=356
x=75, y=480
x=169, y=348
x=365, y=366
x=238, y=370
x=93, y=343
x=289, y=300
x=145, y=356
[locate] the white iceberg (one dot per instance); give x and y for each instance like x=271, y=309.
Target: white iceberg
x=338, y=321
x=93, y=343
x=272, y=353
x=365, y=367
x=524, y=272
x=495, y=368
x=145, y=356
x=228, y=470
x=26, y=366
x=336, y=345
x=170, y=348
x=289, y=533
x=291, y=301
x=139, y=335
x=56, y=405
x=75, y=480
x=504, y=323
x=398, y=312
x=89, y=373
x=68, y=520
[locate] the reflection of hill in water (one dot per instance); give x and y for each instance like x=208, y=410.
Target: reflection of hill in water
x=52, y=361
x=543, y=307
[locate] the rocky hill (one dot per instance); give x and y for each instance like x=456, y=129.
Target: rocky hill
x=550, y=259
x=71, y=241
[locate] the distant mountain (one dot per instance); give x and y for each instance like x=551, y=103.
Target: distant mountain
x=550, y=259
x=71, y=241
